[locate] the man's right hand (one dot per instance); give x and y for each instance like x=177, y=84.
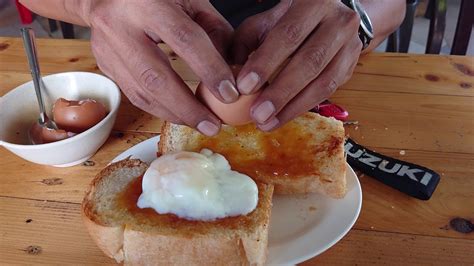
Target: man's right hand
x=124, y=41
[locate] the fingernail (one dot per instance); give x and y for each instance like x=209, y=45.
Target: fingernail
x=208, y=128
x=248, y=83
x=262, y=112
x=228, y=91
x=269, y=125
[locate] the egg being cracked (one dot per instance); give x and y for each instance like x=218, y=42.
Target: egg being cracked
x=236, y=113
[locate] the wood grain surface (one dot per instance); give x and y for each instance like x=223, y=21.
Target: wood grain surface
x=417, y=105
x=55, y=229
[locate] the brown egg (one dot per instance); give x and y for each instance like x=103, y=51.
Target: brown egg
x=40, y=135
x=236, y=113
x=78, y=116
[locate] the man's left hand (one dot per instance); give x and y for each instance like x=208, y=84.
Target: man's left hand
x=321, y=43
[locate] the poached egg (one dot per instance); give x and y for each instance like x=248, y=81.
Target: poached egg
x=197, y=186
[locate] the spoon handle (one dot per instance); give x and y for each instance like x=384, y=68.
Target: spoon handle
x=29, y=43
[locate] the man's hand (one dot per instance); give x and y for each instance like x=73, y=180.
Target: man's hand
x=124, y=41
x=321, y=37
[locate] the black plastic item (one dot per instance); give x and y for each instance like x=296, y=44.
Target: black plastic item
x=236, y=11
x=414, y=180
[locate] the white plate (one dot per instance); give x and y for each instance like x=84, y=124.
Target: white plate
x=301, y=227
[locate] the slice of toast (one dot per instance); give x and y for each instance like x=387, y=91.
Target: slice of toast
x=143, y=237
x=305, y=155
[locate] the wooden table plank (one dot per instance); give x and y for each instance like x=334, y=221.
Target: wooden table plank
x=66, y=55
x=38, y=181
x=374, y=248
x=414, y=122
x=10, y=80
x=426, y=74
x=384, y=209
x=453, y=75
x=54, y=228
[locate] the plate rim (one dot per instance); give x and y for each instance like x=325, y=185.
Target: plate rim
x=346, y=230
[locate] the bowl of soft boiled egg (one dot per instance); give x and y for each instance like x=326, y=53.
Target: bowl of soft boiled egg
x=84, y=107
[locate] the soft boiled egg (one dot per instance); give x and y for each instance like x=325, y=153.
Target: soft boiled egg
x=236, y=113
x=78, y=116
x=197, y=186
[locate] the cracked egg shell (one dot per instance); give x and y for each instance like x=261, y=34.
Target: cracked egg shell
x=78, y=116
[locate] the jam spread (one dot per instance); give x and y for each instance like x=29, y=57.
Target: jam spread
x=289, y=151
x=129, y=197
x=127, y=200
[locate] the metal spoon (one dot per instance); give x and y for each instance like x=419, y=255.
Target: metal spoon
x=30, y=48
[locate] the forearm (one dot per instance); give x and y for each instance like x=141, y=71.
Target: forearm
x=71, y=11
x=386, y=17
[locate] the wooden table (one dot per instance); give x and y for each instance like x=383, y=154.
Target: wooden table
x=422, y=105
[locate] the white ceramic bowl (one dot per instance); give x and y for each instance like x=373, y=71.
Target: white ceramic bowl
x=19, y=110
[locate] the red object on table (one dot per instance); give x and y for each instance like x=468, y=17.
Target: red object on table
x=329, y=109
x=26, y=15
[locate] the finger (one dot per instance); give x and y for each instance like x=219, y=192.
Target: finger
x=253, y=30
x=158, y=84
x=214, y=24
x=193, y=44
x=125, y=81
x=337, y=73
x=161, y=84
x=319, y=49
x=287, y=35
x=129, y=87
x=307, y=63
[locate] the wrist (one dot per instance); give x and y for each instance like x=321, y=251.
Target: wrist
x=366, y=32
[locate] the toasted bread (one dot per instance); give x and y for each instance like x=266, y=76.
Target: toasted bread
x=305, y=155
x=143, y=237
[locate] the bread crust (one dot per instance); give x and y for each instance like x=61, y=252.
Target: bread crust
x=164, y=138
x=132, y=246
x=145, y=249
x=108, y=239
